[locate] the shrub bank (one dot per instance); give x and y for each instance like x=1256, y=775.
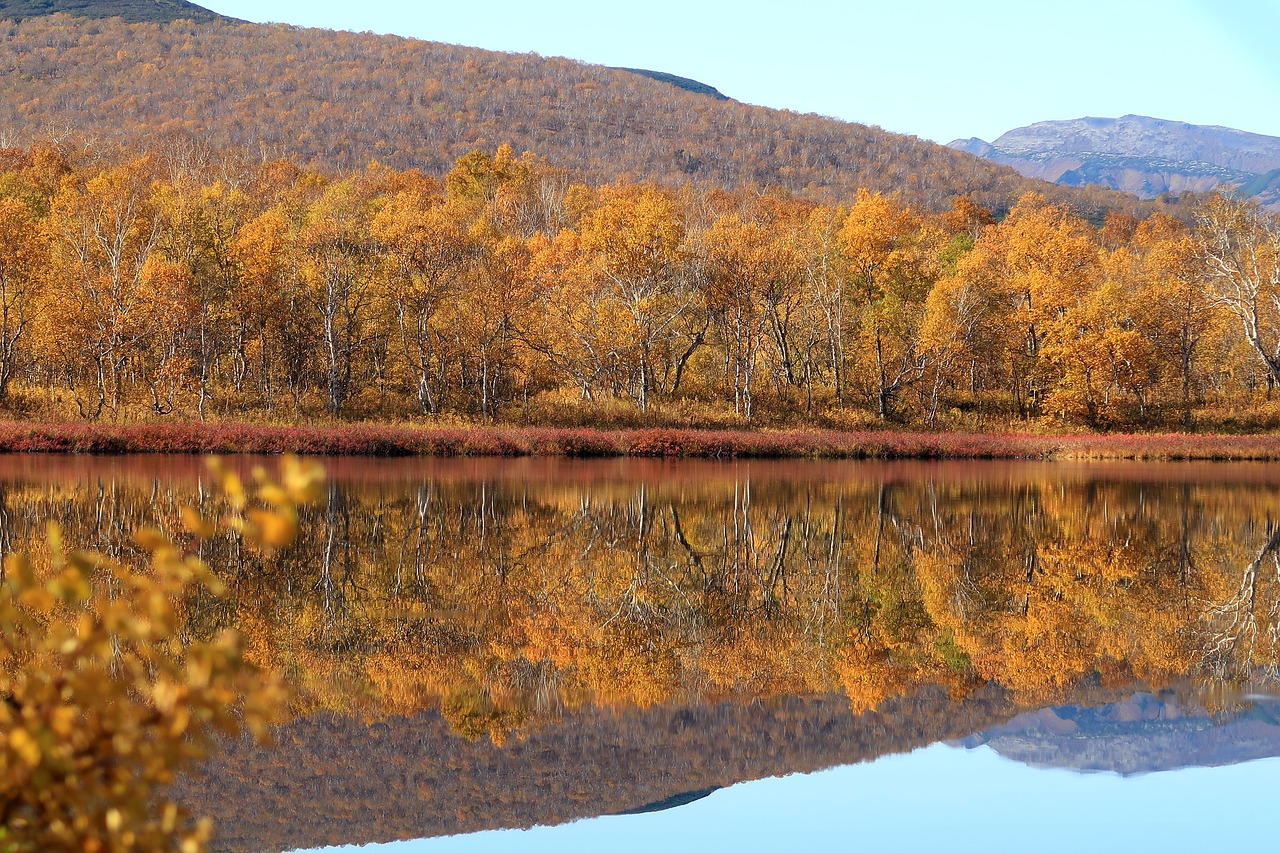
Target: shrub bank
x=387, y=440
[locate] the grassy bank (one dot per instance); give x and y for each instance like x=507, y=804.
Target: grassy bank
x=379, y=440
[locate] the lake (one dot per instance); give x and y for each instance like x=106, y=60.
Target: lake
x=637, y=654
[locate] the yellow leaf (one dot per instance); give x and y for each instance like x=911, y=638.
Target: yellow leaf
x=165, y=695
x=197, y=523
x=276, y=528
x=302, y=480
x=234, y=488
x=38, y=599
x=181, y=719
x=63, y=720
x=21, y=742
x=18, y=567
x=53, y=534
x=151, y=539
x=273, y=494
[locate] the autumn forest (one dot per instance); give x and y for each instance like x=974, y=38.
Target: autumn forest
x=186, y=285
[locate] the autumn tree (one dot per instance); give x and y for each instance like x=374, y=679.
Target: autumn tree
x=201, y=227
x=957, y=317
x=483, y=321
x=1177, y=318
x=430, y=258
x=892, y=264
x=338, y=264
x=967, y=218
x=574, y=325
x=1037, y=263
x=825, y=272
x=102, y=307
x=634, y=238
x=267, y=310
x=23, y=258
x=753, y=280
x=524, y=195
x=1239, y=247
x=1097, y=356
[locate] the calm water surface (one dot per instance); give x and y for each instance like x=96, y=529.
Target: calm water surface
x=970, y=655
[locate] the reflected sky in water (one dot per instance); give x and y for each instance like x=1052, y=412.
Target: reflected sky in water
x=939, y=798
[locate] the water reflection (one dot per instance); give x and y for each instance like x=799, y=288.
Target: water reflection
x=497, y=643
x=936, y=798
x=1144, y=733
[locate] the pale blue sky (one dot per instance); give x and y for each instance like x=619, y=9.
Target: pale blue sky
x=940, y=69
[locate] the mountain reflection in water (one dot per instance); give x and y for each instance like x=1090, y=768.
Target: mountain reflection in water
x=1141, y=734
x=478, y=644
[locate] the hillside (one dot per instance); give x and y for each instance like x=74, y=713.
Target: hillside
x=130, y=10
x=1142, y=155
x=336, y=100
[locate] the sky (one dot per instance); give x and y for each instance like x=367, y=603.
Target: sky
x=938, y=69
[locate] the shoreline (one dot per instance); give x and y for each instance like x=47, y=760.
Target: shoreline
x=499, y=441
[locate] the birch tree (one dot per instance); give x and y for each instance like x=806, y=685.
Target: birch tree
x=1239, y=246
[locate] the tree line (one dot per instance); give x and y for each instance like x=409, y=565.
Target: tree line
x=184, y=284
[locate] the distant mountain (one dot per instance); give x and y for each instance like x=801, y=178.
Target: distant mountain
x=1145, y=733
x=135, y=11
x=680, y=82
x=338, y=100
x=1141, y=155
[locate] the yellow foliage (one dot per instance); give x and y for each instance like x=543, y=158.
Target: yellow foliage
x=101, y=708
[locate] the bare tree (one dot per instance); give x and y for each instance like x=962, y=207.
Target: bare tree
x=1239, y=245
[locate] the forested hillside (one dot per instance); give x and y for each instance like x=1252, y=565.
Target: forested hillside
x=129, y=10
x=336, y=100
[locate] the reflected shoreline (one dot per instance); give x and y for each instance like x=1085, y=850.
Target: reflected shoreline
x=190, y=468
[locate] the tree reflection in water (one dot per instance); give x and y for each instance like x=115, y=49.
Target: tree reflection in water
x=646, y=600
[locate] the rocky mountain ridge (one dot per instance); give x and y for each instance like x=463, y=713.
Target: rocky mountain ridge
x=1147, y=156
